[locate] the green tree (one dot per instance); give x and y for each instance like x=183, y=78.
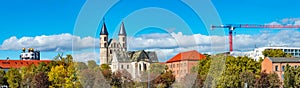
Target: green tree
x=275, y=53
x=13, y=78
x=92, y=64
x=81, y=66
x=289, y=76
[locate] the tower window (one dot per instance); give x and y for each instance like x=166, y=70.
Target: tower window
x=123, y=39
x=104, y=44
x=123, y=45
x=105, y=38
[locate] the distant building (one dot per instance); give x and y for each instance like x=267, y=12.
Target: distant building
x=26, y=59
x=278, y=65
x=31, y=54
x=182, y=63
x=256, y=54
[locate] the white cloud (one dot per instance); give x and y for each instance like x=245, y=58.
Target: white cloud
x=174, y=43
x=286, y=21
x=86, y=56
x=59, y=43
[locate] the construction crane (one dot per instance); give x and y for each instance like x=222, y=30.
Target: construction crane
x=232, y=27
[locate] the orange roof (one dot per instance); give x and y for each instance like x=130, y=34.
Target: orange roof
x=6, y=64
x=189, y=55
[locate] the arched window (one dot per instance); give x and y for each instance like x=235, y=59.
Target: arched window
x=104, y=45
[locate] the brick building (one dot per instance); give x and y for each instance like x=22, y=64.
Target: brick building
x=277, y=65
x=182, y=63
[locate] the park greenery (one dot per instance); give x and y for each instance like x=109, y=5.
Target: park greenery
x=63, y=72
x=220, y=71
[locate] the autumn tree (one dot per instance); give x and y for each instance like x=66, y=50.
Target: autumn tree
x=57, y=76
x=40, y=80
x=13, y=78
x=3, y=80
x=165, y=80
x=106, y=71
x=116, y=79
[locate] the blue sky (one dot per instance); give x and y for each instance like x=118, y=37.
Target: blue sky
x=31, y=18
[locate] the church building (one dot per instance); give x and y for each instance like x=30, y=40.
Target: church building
x=114, y=53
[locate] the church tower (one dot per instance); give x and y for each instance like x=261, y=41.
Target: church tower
x=122, y=37
x=103, y=45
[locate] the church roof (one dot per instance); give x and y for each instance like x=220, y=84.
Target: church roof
x=142, y=55
x=122, y=29
x=135, y=56
x=189, y=55
x=103, y=30
x=122, y=56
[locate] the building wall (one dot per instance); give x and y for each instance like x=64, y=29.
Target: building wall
x=266, y=65
x=271, y=67
x=281, y=67
x=181, y=68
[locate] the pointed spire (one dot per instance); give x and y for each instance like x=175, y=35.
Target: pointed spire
x=122, y=29
x=103, y=29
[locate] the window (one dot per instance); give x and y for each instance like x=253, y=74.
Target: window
x=104, y=44
x=295, y=66
x=123, y=39
x=140, y=67
x=127, y=66
x=276, y=68
x=105, y=38
x=145, y=67
x=282, y=68
x=122, y=66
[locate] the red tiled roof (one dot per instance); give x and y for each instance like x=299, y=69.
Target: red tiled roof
x=189, y=55
x=6, y=64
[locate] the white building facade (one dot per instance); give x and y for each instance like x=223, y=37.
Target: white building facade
x=257, y=52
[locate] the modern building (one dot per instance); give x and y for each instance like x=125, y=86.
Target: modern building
x=114, y=53
x=30, y=55
x=182, y=63
x=277, y=65
x=257, y=53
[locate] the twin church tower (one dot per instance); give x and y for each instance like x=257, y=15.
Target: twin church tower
x=107, y=47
